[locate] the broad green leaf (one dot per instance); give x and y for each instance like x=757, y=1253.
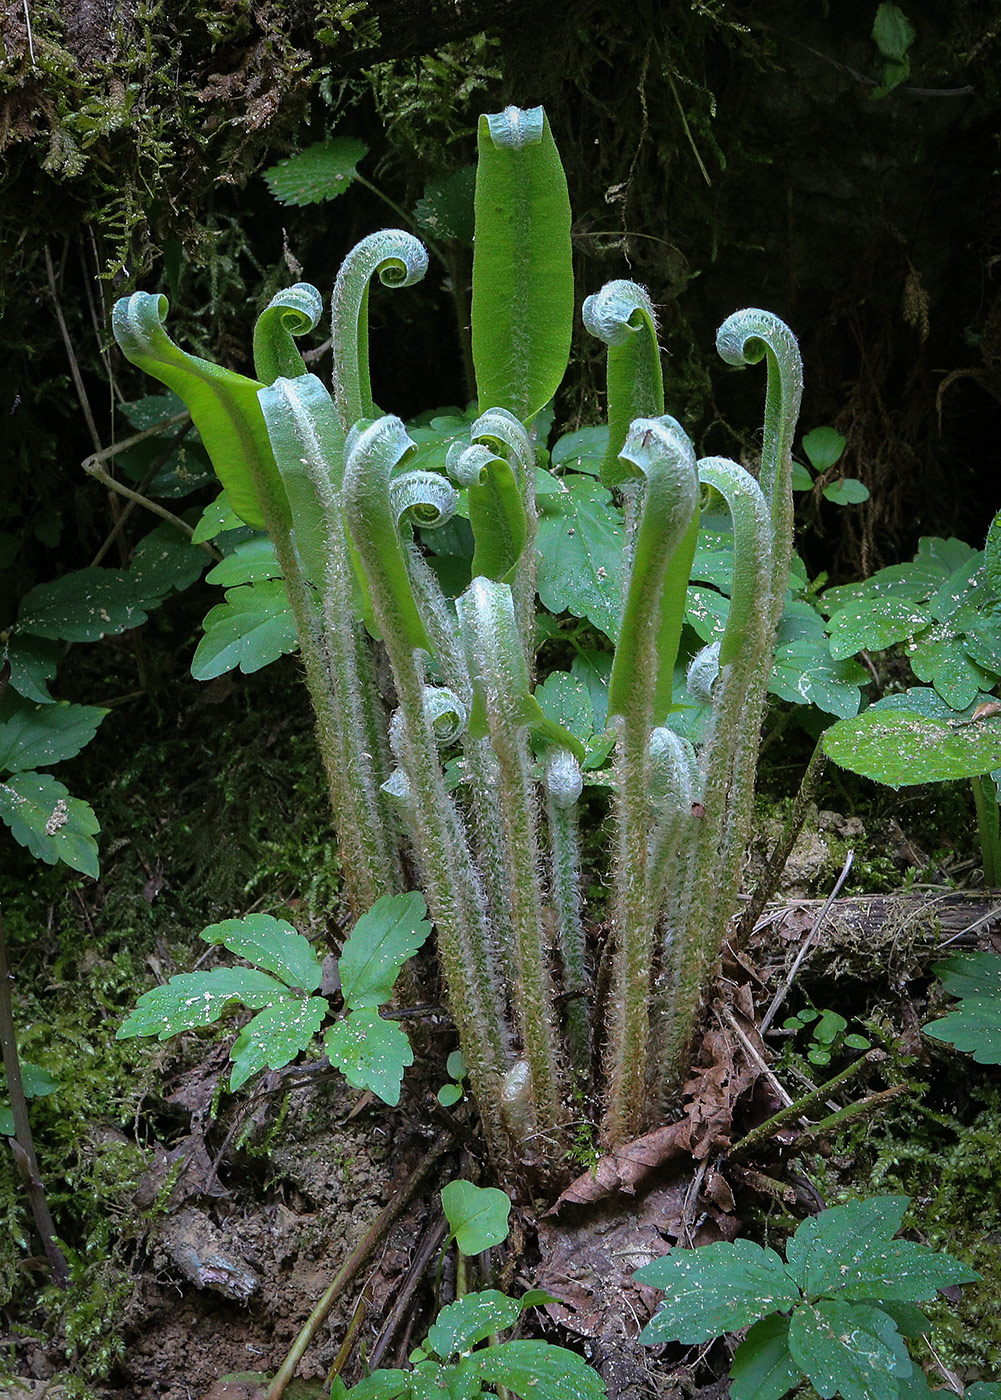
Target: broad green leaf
x=319, y=172
x=594, y=668
x=970, y=974
x=460, y=1325
x=801, y=478
x=192, y=999
x=826, y=1250
x=52, y=825
x=916, y=1387
x=82, y=607
x=982, y=644
x=581, y=451
x=718, y=1288
x=565, y=698
x=763, y=1368
x=901, y=747
x=824, y=447
x=185, y=469
x=874, y=624
x=805, y=673
x=707, y=611
x=370, y=1052
x=900, y=1271
x=523, y=292
x=272, y=944
x=379, y=944
x=580, y=553
x=275, y=1036
x=538, y=1371
x=983, y=1390
x=380, y=1385
x=252, y=561
x=448, y=1094
x=222, y=404
x=217, y=518
x=445, y=210
x=911, y=1321
x=477, y=1215
x=33, y=736
x=974, y=1025
x=943, y=661
x=848, y=1349
x=252, y=628
x=33, y=662
x=992, y=554
x=37, y=1084
x=846, y=492
x=892, y=32
x=164, y=561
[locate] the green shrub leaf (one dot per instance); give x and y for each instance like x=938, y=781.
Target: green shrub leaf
x=874, y=624
x=763, y=1367
x=163, y=562
x=275, y=1036
x=33, y=662
x=538, y=1371
x=849, y=1349
x=470, y=1319
x=718, y=1288
x=379, y=944
x=82, y=607
x=580, y=553
x=272, y=944
x=321, y=171
x=370, y=1052
x=477, y=1215
x=825, y=1249
x=193, y=999
x=252, y=628
x=901, y=747
x=252, y=561
x=52, y=825
x=846, y=492
x=33, y=736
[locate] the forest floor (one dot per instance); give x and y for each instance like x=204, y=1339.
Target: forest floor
x=202, y=1227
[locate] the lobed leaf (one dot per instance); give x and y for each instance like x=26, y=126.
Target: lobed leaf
x=33, y=662
x=52, y=825
x=252, y=628
x=827, y=1247
x=370, y=1052
x=33, y=736
x=874, y=624
x=849, y=1349
x=275, y=1036
x=763, y=1367
x=901, y=747
x=717, y=1288
x=193, y=999
x=273, y=945
x=382, y=940
x=974, y=1025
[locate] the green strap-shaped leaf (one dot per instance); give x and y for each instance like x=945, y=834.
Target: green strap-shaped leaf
x=662, y=455
x=498, y=668
x=496, y=509
x=399, y=259
x=371, y=456
x=622, y=315
x=523, y=296
x=745, y=338
x=222, y=404
x=291, y=312
x=752, y=549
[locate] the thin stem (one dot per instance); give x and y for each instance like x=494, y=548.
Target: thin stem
x=22, y=1143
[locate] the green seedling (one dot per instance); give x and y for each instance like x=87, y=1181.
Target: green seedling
x=823, y=448
x=476, y=776
x=281, y=985
x=827, y=1034
x=975, y=1024
x=944, y=609
x=37, y=1082
x=836, y=1313
x=451, y=1093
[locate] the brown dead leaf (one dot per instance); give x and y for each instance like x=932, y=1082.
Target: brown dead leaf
x=628, y=1166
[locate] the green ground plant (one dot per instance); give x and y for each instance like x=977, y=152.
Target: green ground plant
x=345, y=496
x=835, y=1313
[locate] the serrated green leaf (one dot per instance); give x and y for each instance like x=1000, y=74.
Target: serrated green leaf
x=763, y=1368
x=317, y=173
x=445, y=210
x=273, y=945
x=379, y=944
x=538, y=1371
x=824, y=447
x=974, y=1025
x=970, y=974
x=718, y=1288
x=872, y=624
x=992, y=554
x=370, y=1052
x=901, y=1271
x=902, y=747
x=848, y=1349
x=193, y=999
x=33, y=662
x=165, y=561
x=52, y=825
x=252, y=628
x=82, y=607
x=826, y=1249
x=566, y=699
x=380, y=1385
x=33, y=736
x=217, y=518
x=943, y=661
x=982, y=644
x=910, y=1321
x=460, y=1325
x=805, y=673
x=581, y=451
x=252, y=561
x=580, y=553
x=275, y=1036
x=477, y=1215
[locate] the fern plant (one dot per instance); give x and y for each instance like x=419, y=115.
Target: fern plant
x=494, y=839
